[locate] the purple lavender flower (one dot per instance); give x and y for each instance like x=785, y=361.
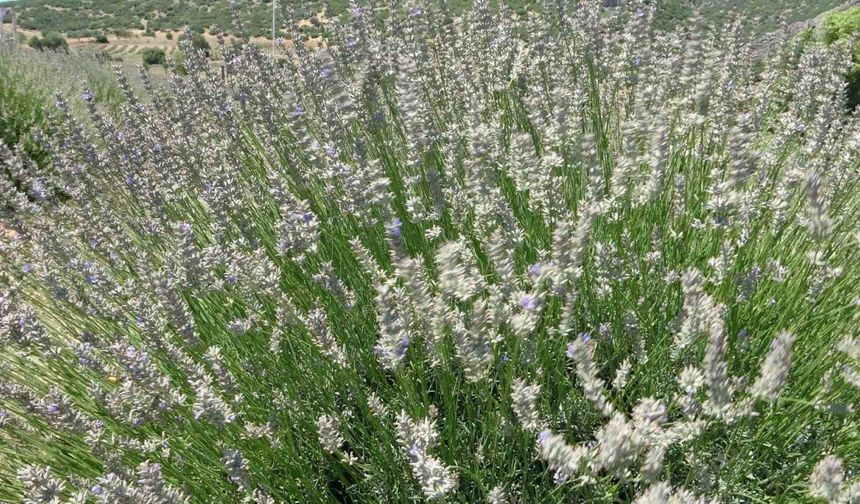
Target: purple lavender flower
x=416, y=11
x=571, y=350
x=27, y=268
x=585, y=337
x=535, y=269
x=96, y=490
x=402, y=346
x=394, y=227
x=53, y=409
x=37, y=190
x=640, y=12
x=529, y=302
x=298, y=111
x=544, y=436
x=88, y=96
x=325, y=72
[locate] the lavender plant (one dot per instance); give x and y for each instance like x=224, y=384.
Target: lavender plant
x=476, y=258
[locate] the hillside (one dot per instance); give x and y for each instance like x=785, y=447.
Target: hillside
x=83, y=17
x=80, y=18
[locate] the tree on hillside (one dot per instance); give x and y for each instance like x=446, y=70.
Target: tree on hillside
x=198, y=41
x=51, y=41
x=153, y=56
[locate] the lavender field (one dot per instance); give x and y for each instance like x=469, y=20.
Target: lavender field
x=470, y=257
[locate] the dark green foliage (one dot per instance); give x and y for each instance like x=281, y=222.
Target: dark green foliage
x=51, y=41
x=35, y=42
x=671, y=13
x=21, y=110
x=199, y=42
x=840, y=26
x=55, y=42
x=852, y=88
x=153, y=56
x=101, y=39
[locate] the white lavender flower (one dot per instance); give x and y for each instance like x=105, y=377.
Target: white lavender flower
x=237, y=468
x=622, y=374
x=581, y=350
x=208, y=405
x=417, y=438
x=394, y=337
x=323, y=336
x=663, y=493
x=700, y=310
x=616, y=447
x=524, y=399
x=850, y=346
x=456, y=277
x=40, y=487
x=827, y=478
x=774, y=369
x=328, y=431
x=560, y=456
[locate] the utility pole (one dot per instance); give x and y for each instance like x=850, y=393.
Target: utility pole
x=2, y=26
x=274, y=10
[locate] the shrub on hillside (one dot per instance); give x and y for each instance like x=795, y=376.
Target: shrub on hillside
x=153, y=56
x=51, y=41
x=101, y=39
x=844, y=26
x=199, y=42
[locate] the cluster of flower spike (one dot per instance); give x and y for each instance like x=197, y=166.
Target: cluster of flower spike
x=566, y=221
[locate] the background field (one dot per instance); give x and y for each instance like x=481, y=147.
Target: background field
x=79, y=18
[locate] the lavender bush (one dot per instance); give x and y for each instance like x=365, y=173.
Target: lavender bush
x=476, y=259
